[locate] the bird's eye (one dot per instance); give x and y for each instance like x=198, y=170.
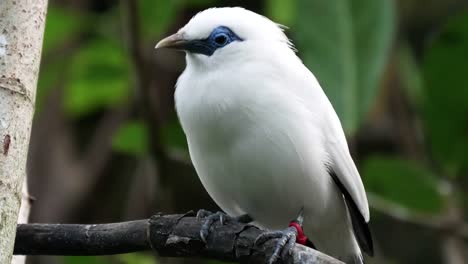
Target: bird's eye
x=221, y=39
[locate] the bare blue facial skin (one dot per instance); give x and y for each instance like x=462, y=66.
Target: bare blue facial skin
x=219, y=38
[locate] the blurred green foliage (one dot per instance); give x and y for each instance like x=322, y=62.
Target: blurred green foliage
x=403, y=182
x=217, y=262
x=137, y=258
x=410, y=74
x=281, y=11
x=445, y=104
x=173, y=136
x=61, y=25
x=99, y=77
x=132, y=258
x=132, y=138
x=87, y=260
x=346, y=45
x=157, y=15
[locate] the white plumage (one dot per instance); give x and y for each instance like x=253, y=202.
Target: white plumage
x=263, y=136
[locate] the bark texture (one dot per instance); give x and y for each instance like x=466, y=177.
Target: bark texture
x=168, y=235
x=23, y=217
x=21, y=32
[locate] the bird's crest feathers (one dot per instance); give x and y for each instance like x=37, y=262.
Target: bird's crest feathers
x=246, y=24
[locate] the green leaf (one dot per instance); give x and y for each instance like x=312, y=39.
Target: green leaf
x=137, y=258
x=87, y=260
x=132, y=138
x=403, y=182
x=346, y=44
x=446, y=95
x=281, y=11
x=99, y=78
x=61, y=24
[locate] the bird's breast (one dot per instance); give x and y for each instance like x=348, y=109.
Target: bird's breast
x=251, y=143
x=216, y=112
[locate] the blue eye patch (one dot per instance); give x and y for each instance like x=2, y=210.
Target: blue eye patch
x=219, y=37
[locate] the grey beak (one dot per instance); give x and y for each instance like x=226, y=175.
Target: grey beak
x=176, y=41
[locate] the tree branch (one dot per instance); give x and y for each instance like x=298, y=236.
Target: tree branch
x=168, y=235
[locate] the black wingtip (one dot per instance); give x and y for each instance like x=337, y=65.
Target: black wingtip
x=360, y=226
x=361, y=230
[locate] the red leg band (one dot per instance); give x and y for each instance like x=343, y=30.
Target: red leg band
x=301, y=238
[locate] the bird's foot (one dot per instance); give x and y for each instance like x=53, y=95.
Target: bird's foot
x=286, y=239
x=210, y=218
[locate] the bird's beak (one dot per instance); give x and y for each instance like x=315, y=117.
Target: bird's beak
x=176, y=41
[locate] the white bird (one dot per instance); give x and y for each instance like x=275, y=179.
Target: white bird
x=263, y=136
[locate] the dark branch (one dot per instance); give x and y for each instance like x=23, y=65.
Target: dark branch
x=168, y=235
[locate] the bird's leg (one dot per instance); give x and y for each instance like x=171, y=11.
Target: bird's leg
x=210, y=218
x=287, y=238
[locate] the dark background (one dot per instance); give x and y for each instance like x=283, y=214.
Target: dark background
x=106, y=144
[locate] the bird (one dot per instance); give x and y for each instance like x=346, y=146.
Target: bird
x=263, y=136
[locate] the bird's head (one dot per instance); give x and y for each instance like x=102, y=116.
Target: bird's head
x=220, y=34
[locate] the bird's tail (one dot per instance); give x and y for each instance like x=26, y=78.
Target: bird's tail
x=343, y=246
x=354, y=257
x=348, y=250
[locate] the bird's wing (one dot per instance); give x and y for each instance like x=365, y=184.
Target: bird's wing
x=346, y=176
x=343, y=165
x=303, y=84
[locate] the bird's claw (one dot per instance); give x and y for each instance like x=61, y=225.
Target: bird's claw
x=202, y=213
x=210, y=218
x=286, y=240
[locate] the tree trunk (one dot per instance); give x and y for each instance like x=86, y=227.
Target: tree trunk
x=23, y=218
x=21, y=33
